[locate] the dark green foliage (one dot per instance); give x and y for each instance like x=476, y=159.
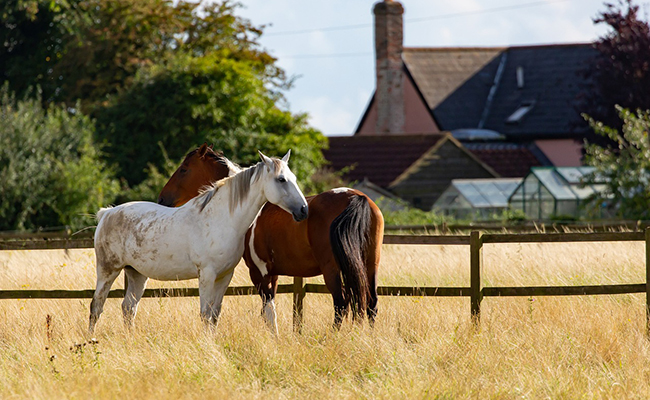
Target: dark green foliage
x=196, y=100
x=50, y=171
x=625, y=167
x=87, y=50
x=154, y=76
x=31, y=41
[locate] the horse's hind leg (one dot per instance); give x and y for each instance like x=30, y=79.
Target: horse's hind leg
x=135, y=288
x=105, y=278
x=372, y=299
x=333, y=282
x=373, y=255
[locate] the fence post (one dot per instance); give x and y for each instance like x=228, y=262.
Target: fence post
x=476, y=270
x=647, y=281
x=298, y=299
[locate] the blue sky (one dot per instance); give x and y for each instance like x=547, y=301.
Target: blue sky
x=328, y=45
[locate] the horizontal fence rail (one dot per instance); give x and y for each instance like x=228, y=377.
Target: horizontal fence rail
x=475, y=291
x=525, y=226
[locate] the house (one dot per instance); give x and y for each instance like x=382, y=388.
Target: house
x=481, y=198
x=510, y=108
x=416, y=168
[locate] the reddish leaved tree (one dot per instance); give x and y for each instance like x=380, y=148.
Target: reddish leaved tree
x=621, y=73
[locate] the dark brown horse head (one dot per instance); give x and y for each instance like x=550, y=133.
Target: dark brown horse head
x=201, y=167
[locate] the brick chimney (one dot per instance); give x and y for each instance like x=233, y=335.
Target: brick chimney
x=389, y=94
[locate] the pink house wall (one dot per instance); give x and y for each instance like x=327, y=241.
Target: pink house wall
x=562, y=152
x=417, y=117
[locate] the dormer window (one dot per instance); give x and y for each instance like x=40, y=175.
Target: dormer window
x=520, y=112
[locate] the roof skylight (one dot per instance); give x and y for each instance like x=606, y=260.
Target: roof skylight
x=520, y=112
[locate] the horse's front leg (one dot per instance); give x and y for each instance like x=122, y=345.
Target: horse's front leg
x=212, y=288
x=267, y=286
x=268, y=303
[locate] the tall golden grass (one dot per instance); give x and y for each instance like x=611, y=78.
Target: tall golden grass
x=543, y=347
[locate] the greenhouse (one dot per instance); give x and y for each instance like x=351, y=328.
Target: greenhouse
x=555, y=192
x=476, y=198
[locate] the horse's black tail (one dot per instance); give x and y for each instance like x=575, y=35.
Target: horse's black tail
x=349, y=235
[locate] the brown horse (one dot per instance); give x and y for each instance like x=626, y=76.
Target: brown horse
x=341, y=239
x=201, y=165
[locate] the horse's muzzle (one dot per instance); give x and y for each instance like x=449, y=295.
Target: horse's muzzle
x=301, y=214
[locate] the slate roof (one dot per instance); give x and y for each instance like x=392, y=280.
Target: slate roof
x=456, y=84
x=552, y=80
x=380, y=159
x=510, y=160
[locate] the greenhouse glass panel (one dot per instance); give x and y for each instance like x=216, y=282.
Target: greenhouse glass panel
x=517, y=205
x=574, y=175
x=531, y=187
x=460, y=203
x=554, y=183
x=494, y=196
x=567, y=208
x=582, y=192
x=547, y=203
x=507, y=187
x=472, y=195
x=447, y=198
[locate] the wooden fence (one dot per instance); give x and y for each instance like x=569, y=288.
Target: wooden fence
x=525, y=226
x=475, y=291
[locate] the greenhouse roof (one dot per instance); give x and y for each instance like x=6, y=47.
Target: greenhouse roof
x=483, y=193
x=566, y=183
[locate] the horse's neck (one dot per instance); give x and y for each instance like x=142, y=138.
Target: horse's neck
x=242, y=214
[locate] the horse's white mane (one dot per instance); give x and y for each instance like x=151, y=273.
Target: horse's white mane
x=240, y=185
x=232, y=167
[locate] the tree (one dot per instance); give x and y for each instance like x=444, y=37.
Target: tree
x=31, y=42
x=192, y=100
x=621, y=73
x=155, y=73
x=50, y=170
x=625, y=167
x=86, y=50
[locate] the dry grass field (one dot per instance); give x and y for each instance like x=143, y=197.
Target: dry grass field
x=525, y=348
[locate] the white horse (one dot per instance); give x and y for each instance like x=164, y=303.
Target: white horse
x=203, y=239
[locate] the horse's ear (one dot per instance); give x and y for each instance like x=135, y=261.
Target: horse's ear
x=265, y=159
x=286, y=156
x=203, y=149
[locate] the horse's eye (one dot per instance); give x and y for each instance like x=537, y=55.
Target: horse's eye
x=183, y=170
x=282, y=179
